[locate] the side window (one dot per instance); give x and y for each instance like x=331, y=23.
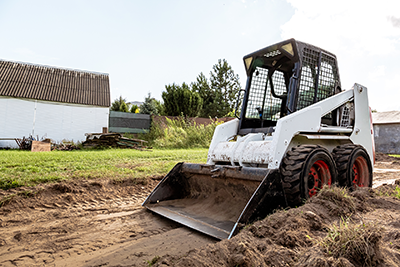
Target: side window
x=324, y=77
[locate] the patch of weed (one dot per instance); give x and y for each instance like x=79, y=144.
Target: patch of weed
x=180, y=133
x=153, y=261
x=357, y=242
x=6, y=199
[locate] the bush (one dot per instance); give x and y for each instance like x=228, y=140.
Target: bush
x=180, y=133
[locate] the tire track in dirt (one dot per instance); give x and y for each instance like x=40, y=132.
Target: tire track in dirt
x=89, y=228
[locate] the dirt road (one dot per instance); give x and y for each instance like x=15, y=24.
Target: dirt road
x=88, y=224
x=98, y=223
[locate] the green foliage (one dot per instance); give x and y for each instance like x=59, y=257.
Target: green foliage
x=124, y=107
x=119, y=104
x=134, y=109
x=396, y=192
x=220, y=93
x=180, y=133
x=225, y=83
x=388, y=191
x=159, y=107
x=149, y=106
x=24, y=168
x=153, y=261
x=181, y=100
x=210, y=101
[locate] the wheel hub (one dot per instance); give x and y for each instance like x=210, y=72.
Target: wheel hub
x=360, y=172
x=318, y=176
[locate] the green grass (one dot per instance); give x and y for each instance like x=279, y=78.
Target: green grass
x=396, y=192
x=25, y=168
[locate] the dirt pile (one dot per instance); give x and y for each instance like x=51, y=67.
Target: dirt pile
x=335, y=228
x=101, y=222
x=385, y=158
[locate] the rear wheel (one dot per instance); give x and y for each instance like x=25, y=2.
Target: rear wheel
x=305, y=170
x=354, y=166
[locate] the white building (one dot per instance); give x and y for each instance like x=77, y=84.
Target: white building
x=43, y=101
x=386, y=131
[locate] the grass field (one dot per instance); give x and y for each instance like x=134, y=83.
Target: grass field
x=25, y=168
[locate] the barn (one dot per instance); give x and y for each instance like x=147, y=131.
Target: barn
x=50, y=102
x=387, y=131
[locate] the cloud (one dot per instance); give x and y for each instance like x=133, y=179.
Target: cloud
x=360, y=26
x=365, y=37
x=395, y=21
x=377, y=73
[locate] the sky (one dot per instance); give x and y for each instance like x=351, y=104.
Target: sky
x=146, y=45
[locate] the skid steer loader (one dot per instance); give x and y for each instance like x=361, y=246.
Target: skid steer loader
x=298, y=131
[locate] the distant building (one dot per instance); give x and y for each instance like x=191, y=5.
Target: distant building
x=137, y=103
x=60, y=104
x=387, y=131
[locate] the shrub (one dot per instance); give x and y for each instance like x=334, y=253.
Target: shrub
x=180, y=133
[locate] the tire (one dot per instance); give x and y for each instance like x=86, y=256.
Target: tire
x=305, y=169
x=354, y=166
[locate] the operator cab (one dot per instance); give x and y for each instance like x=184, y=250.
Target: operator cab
x=284, y=78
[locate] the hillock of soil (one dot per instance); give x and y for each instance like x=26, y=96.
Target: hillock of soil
x=335, y=228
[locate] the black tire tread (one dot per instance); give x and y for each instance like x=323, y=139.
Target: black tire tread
x=342, y=155
x=291, y=169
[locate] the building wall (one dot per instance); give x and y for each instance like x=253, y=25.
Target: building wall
x=57, y=121
x=387, y=138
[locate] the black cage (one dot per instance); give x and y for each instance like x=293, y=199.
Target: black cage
x=284, y=78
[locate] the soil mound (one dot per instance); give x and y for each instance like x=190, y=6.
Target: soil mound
x=334, y=228
x=71, y=192
x=385, y=157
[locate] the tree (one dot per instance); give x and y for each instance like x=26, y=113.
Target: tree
x=181, y=100
x=225, y=83
x=220, y=94
x=149, y=106
x=123, y=107
x=210, y=103
x=119, y=104
x=159, y=107
x=134, y=109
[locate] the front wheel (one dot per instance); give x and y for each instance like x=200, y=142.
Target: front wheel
x=306, y=169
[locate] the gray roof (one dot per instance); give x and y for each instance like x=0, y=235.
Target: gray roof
x=25, y=80
x=386, y=117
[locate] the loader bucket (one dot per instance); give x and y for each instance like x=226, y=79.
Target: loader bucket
x=216, y=200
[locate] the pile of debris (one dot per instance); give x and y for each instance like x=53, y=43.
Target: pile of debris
x=95, y=140
x=65, y=147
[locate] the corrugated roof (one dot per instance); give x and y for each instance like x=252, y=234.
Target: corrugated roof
x=25, y=80
x=386, y=117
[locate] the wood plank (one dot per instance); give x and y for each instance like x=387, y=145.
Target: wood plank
x=38, y=146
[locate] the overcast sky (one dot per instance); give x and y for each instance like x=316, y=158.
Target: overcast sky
x=145, y=45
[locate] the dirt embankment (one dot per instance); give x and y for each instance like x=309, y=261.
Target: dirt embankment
x=102, y=223
x=333, y=229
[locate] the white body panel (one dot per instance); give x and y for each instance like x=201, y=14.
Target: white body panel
x=261, y=149
x=57, y=121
